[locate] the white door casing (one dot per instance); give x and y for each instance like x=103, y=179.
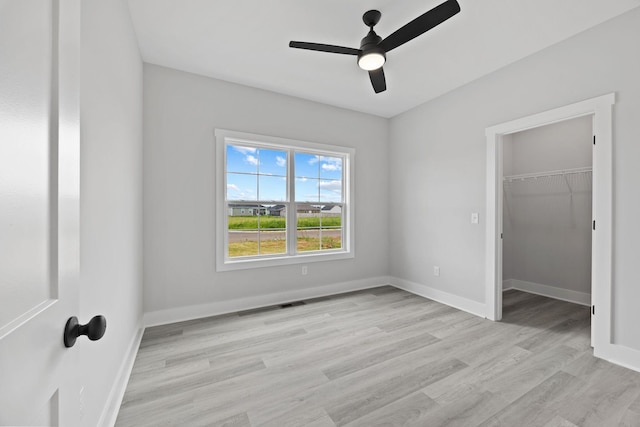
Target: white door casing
x=601, y=268
x=39, y=209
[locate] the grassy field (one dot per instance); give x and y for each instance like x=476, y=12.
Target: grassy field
x=251, y=222
x=279, y=246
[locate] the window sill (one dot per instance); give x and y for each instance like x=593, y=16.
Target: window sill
x=245, y=264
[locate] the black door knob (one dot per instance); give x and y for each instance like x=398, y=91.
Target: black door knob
x=94, y=330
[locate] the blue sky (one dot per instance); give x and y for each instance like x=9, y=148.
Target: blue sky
x=259, y=173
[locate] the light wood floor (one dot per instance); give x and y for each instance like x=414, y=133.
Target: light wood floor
x=381, y=357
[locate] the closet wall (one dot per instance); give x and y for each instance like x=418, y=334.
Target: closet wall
x=547, y=214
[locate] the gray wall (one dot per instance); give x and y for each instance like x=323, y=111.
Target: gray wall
x=438, y=162
x=111, y=195
x=547, y=229
x=180, y=115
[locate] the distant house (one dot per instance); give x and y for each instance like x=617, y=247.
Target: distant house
x=308, y=208
x=333, y=210
x=246, y=210
x=277, y=210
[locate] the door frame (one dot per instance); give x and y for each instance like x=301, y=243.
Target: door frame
x=601, y=245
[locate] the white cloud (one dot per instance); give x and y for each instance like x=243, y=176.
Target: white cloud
x=244, y=150
x=331, y=167
x=237, y=193
x=331, y=163
x=252, y=160
x=314, y=160
x=281, y=161
x=301, y=179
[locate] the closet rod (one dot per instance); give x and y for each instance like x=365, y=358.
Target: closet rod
x=547, y=174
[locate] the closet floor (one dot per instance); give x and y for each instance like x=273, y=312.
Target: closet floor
x=380, y=357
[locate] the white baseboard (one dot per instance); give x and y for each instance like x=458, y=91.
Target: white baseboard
x=452, y=300
x=179, y=314
x=112, y=405
x=507, y=285
x=620, y=355
x=548, y=291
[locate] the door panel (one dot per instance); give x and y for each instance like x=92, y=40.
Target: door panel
x=24, y=156
x=39, y=207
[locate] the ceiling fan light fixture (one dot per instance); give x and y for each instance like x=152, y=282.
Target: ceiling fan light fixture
x=371, y=61
x=372, y=54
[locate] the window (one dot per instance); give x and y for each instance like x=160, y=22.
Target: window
x=281, y=201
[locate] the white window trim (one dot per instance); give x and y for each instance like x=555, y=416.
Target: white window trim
x=223, y=263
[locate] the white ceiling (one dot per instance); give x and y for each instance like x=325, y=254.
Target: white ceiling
x=246, y=42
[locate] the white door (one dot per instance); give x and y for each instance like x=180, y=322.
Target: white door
x=39, y=207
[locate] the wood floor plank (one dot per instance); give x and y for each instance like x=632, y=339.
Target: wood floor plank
x=539, y=405
x=518, y=380
x=191, y=381
x=473, y=378
x=558, y=421
x=302, y=415
x=630, y=419
x=464, y=412
x=407, y=410
x=380, y=357
x=556, y=334
x=350, y=408
x=608, y=394
x=240, y=420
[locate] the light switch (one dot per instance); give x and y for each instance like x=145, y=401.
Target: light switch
x=474, y=218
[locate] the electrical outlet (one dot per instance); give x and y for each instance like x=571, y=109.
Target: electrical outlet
x=304, y=270
x=436, y=270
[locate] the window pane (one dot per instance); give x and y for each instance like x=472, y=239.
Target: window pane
x=331, y=238
x=330, y=190
x=331, y=227
x=331, y=216
x=273, y=225
x=308, y=240
x=272, y=162
x=243, y=243
x=307, y=190
x=273, y=188
x=242, y=159
x=242, y=187
x=306, y=165
x=308, y=227
x=330, y=167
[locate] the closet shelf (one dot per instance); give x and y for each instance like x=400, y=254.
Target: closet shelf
x=563, y=172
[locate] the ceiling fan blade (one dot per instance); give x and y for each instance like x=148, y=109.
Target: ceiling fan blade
x=421, y=24
x=377, y=80
x=324, y=48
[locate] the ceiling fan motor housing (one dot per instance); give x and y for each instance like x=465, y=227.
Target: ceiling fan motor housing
x=370, y=45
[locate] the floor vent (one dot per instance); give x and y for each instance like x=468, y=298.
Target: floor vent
x=292, y=304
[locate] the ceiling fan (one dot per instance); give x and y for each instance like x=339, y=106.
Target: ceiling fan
x=373, y=49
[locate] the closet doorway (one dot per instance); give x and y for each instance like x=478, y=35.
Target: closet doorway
x=598, y=112
x=547, y=212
